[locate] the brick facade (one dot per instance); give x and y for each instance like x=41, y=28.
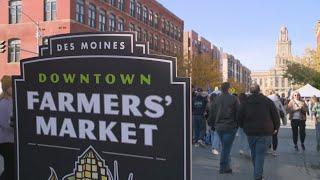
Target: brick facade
x=164, y=37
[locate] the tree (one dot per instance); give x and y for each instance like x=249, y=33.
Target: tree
x=236, y=86
x=305, y=71
x=205, y=72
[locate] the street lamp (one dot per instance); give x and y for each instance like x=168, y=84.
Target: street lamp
x=36, y=23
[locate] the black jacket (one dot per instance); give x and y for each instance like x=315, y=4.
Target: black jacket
x=223, y=113
x=258, y=116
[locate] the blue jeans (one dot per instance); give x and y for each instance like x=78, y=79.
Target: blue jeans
x=226, y=138
x=215, y=140
x=243, y=141
x=198, y=121
x=258, y=146
x=318, y=132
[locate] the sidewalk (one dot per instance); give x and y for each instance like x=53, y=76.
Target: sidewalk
x=289, y=165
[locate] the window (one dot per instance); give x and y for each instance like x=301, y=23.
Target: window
x=155, y=42
x=171, y=30
x=92, y=16
x=167, y=30
x=151, y=18
x=163, y=27
x=175, y=33
x=112, y=22
x=144, y=36
x=131, y=27
x=15, y=12
x=150, y=40
x=155, y=20
x=139, y=33
x=132, y=8
x=14, y=50
x=102, y=20
x=179, y=34
x=50, y=10
x=80, y=11
x=145, y=14
x=139, y=14
x=121, y=5
x=162, y=46
x=121, y=24
x=113, y=2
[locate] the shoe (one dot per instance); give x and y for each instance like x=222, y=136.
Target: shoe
x=274, y=153
x=201, y=143
x=303, y=147
x=296, y=148
x=269, y=151
x=241, y=152
x=196, y=145
x=214, y=152
x=225, y=171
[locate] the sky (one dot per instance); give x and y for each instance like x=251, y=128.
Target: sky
x=248, y=29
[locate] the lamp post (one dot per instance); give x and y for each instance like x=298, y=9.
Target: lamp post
x=36, y=23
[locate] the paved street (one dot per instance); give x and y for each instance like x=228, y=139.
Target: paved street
x=289, y=165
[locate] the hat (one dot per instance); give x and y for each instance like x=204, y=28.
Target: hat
x=6, y=83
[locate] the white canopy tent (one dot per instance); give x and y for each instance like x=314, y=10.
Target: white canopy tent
x=308, y=91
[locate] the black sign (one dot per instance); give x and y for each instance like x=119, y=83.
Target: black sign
x=98, y=106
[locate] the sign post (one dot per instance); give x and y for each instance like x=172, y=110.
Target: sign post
x=98, y=106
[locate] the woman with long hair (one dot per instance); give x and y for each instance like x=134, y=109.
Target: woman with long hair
x=6, y=130
x=298, y=109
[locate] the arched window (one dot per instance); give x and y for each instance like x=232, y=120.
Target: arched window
x=50, y=10
x=14, y=50
x=80, y=11
x=121, y=5
x=132, y=8
x=112, y=22
x=92, y=16
x=121, y=24
x=145, y=14
x=14, y=11
x=102, y=20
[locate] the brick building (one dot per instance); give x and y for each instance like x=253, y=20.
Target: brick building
x=233, y=69
x=25, y=24
x=194, y=45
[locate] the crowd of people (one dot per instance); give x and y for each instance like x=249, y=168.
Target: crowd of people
x=219, y=116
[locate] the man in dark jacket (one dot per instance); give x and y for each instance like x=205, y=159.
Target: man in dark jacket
x=260, y=120
x=199, y=104
x=223, y=117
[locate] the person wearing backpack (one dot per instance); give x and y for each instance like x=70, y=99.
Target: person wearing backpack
x=316, y=117
x=223, y=117
x=6, y=130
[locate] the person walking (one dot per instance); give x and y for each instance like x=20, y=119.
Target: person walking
x=316, y=119
x=199, y=103
x=6, y=131
x=259, y=118
x=243, y=140
x=281, y=113
x=297, y=110
x=222, y=117
x=214, y=137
